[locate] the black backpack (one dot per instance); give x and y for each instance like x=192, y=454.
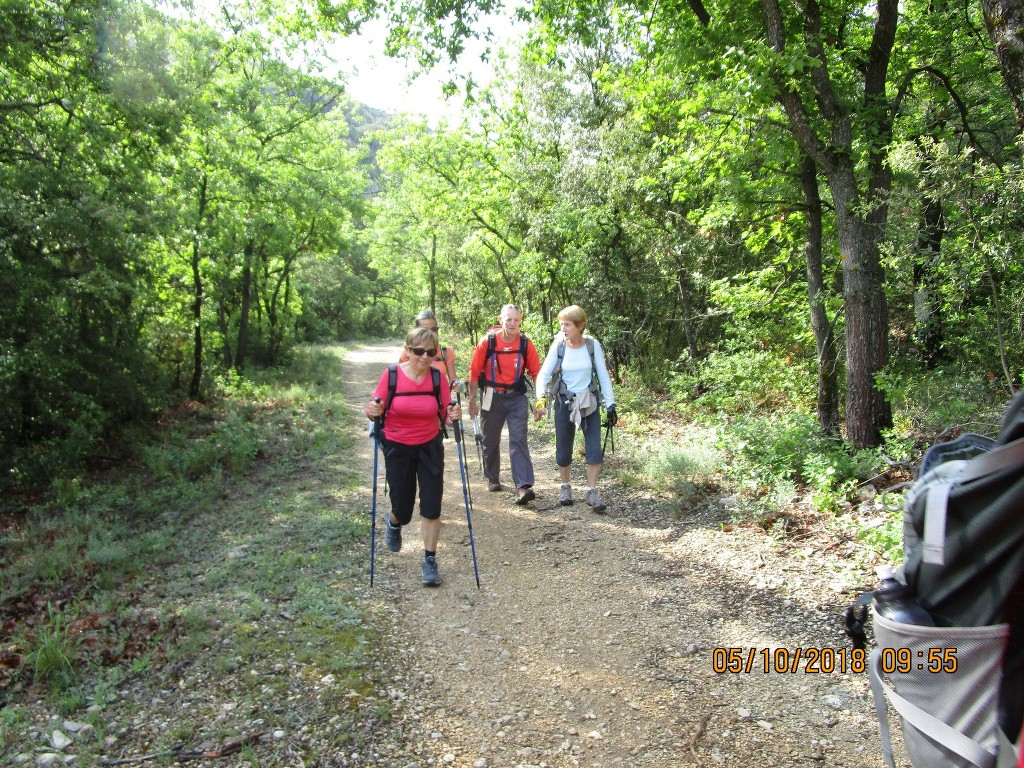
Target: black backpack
x=435, y=377
x=963, y=539
x=492, y=360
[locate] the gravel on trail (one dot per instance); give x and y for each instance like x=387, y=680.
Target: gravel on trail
x=652, y=636
x=595, y=640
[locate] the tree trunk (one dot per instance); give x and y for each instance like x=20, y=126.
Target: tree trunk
x=195, y=387
x=242, y=348
x=222, y=322
x=927, y=318
x=688, y=330
x=1005, y=22
x=860, y=214
x=867, y=320
x=821, y=325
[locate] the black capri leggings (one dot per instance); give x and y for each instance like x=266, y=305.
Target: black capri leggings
x=407, y=465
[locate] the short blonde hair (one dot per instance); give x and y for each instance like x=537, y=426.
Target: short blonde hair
x=575, y=315
x=422, y=337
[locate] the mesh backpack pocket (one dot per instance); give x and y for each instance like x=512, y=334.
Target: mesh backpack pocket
x=944, y=683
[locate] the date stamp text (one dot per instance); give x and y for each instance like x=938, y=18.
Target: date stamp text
x=827, y=661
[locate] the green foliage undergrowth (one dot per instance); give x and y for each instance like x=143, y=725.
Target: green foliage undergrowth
x=772, y=456
x=234, y=546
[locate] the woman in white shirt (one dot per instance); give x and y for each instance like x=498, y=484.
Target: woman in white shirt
x=576, y=374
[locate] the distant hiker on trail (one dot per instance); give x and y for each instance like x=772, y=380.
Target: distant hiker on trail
x=414, y=399
x=445, y=360
x=501, y=362
x=573, y=374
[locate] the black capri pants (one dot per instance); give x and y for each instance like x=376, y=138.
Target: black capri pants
x=408, y=465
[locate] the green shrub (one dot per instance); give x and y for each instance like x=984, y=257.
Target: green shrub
x=50, y=652
x=110, y=559
x=745, y=382
x=759, y=448
x=238, y=443
x=886, y=540
x=931, y=402
x=228, y=443
x=832, y=478
x=773, y=456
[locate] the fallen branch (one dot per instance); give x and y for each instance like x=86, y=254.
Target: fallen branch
x=143, y=758
x=696, y=737
x=230, y=747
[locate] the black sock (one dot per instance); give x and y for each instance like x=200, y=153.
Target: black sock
x=427, y=553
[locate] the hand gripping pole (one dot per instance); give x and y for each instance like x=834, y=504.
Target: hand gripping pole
x=478, y=436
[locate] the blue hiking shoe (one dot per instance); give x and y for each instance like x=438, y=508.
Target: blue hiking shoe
x=392, y=535
x=431, y=578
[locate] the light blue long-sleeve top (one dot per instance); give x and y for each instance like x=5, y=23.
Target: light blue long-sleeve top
x=576, y=369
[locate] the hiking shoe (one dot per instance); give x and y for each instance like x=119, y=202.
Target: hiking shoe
x=392, y=535
x=526, y=495
x=565, y=495
x=594, y=500
x=431, y=578
x=493, y=486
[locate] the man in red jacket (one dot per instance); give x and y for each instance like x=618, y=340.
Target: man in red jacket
x=501, y=362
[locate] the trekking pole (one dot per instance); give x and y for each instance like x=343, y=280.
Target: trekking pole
x=478, y=436
x=373, y=509
x=467, y=497
x=608, y=433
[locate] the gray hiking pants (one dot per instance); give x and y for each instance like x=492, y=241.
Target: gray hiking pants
x=513, y=409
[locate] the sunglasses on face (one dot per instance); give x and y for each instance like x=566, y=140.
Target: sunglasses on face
x=420, y=351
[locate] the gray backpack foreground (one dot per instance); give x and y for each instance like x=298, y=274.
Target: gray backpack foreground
x=963, y=538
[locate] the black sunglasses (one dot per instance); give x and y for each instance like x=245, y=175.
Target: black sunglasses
x=419, y=351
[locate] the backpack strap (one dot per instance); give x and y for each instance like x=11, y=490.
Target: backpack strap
x=492, y=355
x=593, y=362
x=435, y=378
x=924, y=722
x=392, y=386
x=940, y=481
x=449, y=370
x=556, y=375
x=996, y=460
x=492, y=343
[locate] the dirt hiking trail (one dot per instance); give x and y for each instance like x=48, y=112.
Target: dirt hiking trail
x=592, y=639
